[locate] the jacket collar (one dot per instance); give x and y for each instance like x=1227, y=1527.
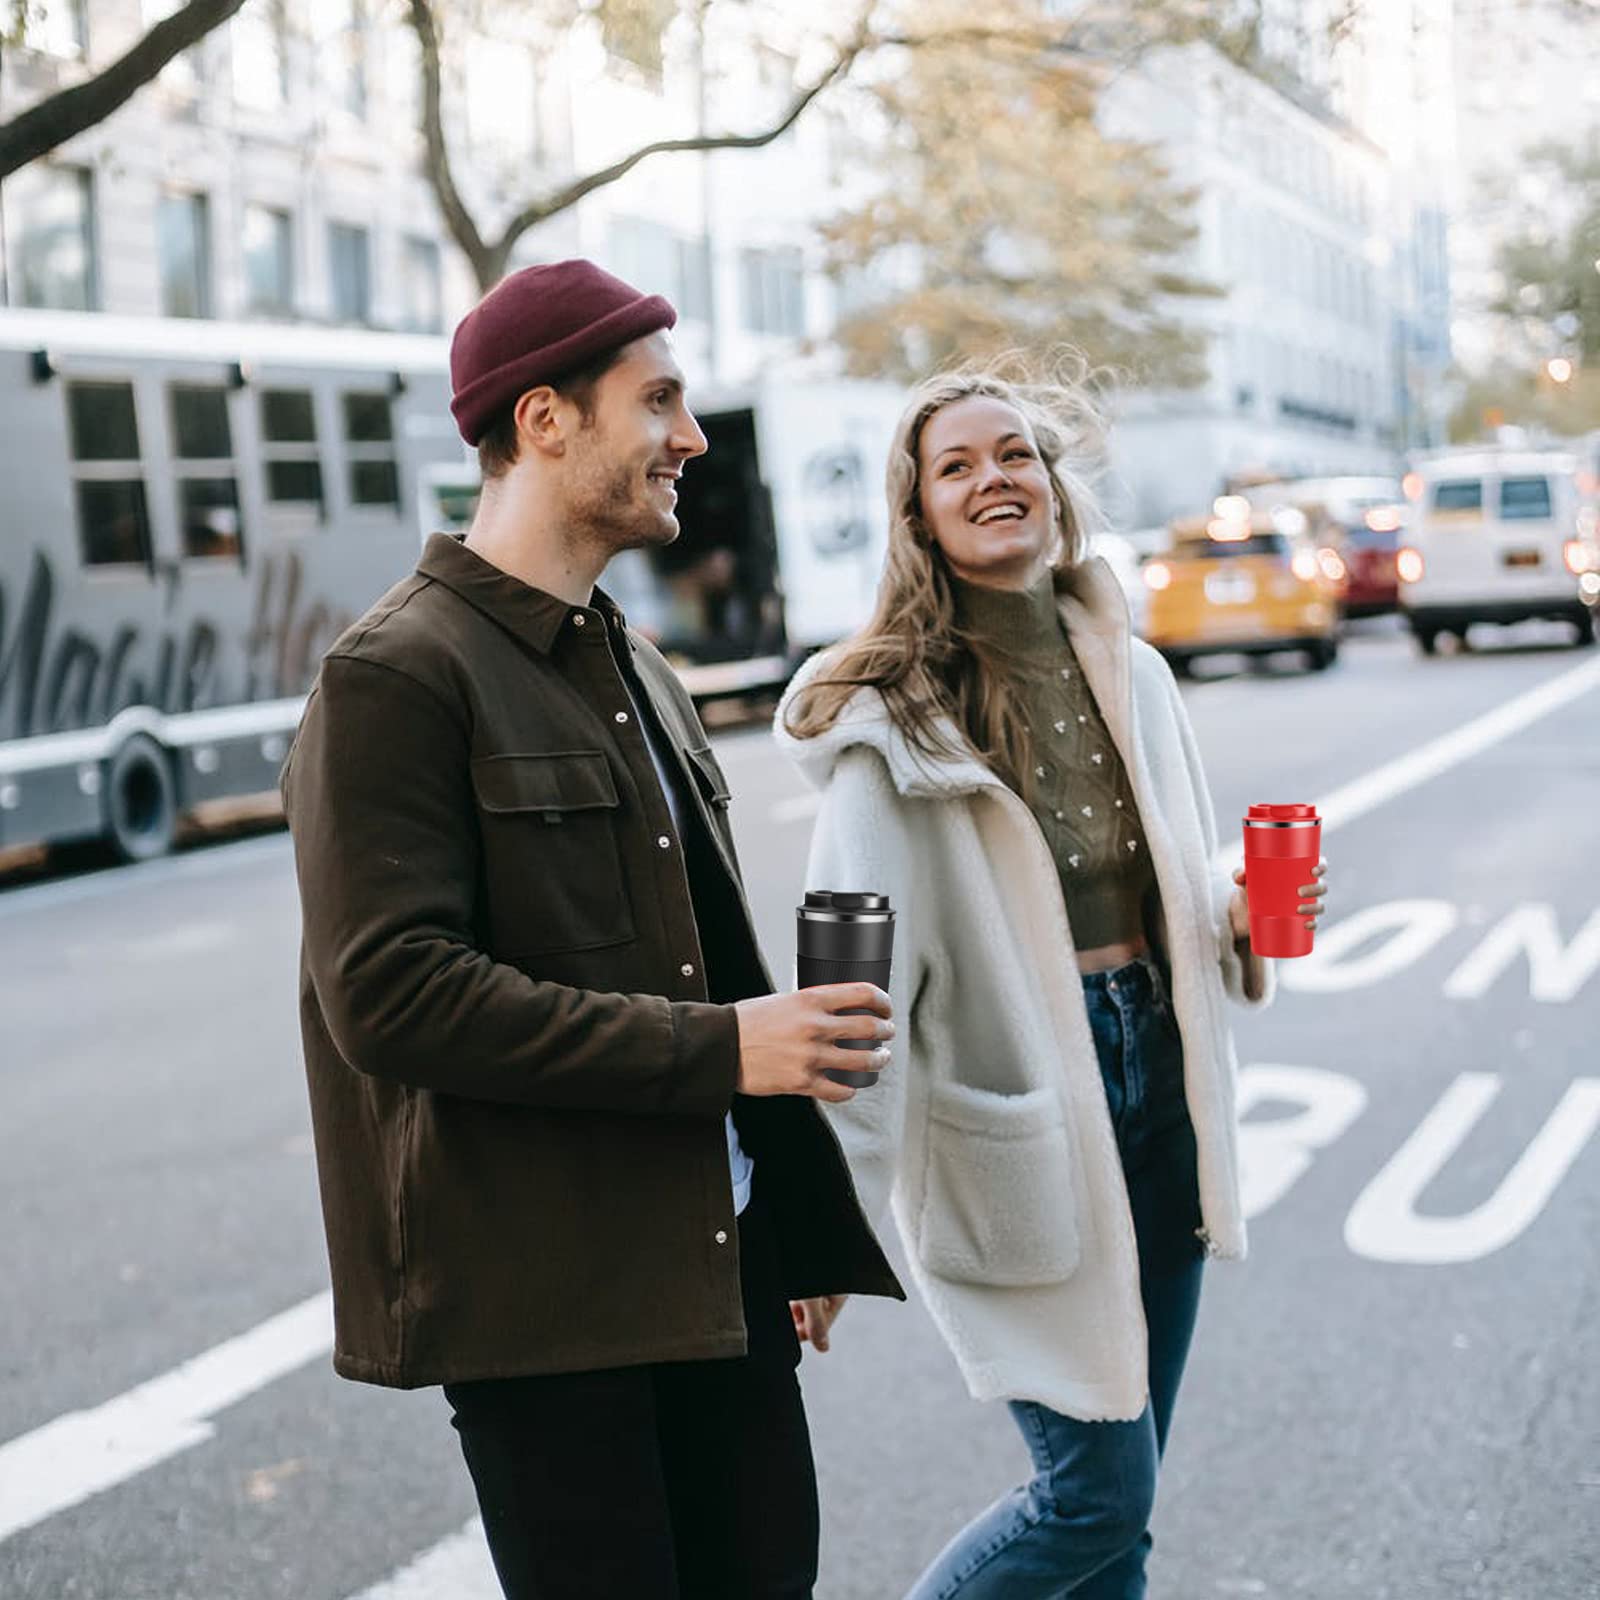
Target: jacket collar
x=1095, y=610
x=533, y=615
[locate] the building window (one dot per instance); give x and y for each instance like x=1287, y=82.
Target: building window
x=108, y=475
x=694, y=278
x=184, y=232
x=347, y=52
x=261, y=55
x=289, y=450
x=421, y=286
x=350, y=273
x=208, y=483
x=369, y=445
x=50, y=215
x=268, y=261
x=63, y=30
x=772, y=291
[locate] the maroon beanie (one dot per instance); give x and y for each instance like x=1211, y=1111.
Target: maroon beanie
x=536, y=326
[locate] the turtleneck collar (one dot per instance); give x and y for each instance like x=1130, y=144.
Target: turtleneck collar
x=1021, y=622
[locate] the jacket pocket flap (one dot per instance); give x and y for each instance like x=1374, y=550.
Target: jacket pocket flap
x=999, y=1207
x=710, y=775
x=564, y=780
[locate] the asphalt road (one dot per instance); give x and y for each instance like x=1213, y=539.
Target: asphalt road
x=1393, y=1397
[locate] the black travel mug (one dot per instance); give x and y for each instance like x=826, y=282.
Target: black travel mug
x=845, y=937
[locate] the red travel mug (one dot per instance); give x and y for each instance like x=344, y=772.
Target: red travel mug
x=1282, y=846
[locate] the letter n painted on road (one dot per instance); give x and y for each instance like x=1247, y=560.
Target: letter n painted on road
x=1556, y=973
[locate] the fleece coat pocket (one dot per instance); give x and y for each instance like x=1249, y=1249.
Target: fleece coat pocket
x=998, y=1207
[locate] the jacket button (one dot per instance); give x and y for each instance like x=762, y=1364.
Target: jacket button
x=622, y=716
x=664, y=841
x=687, y=969
x=722, y=1237
x=577, y=619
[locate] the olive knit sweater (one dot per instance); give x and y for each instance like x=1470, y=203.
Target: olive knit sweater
x=1081, y=796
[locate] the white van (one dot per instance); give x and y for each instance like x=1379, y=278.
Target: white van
x=1499, y=537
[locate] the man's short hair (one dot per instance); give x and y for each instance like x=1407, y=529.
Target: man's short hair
x=497, y=449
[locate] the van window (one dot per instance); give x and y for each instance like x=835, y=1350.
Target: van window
x=208, y=485
x=108, y=475
x=1257, y=544
x=1525, y=499
x=369, y=443
x=289, y=449
x=1461, y=495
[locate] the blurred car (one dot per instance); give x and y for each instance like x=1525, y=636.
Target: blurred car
x=1360, y=518
x=1500, y=537
x=1243, y=581
x=1123, y=559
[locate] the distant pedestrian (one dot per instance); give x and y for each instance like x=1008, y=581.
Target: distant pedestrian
x=571, y=1160
x=998, y=754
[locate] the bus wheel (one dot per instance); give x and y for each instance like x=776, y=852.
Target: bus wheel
x=141, y=800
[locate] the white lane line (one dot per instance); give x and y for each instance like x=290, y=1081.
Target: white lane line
x=457, y=1568
x=1366, y=793
x=81, y=1453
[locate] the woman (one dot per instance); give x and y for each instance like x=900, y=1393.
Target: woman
x=1055, y=1127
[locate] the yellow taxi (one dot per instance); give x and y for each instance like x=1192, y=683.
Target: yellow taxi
x=1244, y=581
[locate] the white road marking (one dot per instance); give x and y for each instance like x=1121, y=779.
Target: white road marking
x=1275, y=1152
x=457, y=1568
x=82, y=1453
x=1396, y=777
x=1384, y=1225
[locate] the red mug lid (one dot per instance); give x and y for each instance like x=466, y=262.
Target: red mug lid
x=1284, y=813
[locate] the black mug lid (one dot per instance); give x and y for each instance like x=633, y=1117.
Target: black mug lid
x=847, y=900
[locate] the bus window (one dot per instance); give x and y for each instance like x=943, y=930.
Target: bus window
x=289, y=446
x=369, y=443
x=208, y=485
x=108, y=475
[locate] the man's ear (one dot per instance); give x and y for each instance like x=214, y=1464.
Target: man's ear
x=542, y=423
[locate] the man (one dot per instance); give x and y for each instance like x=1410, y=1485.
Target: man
x=571, y=1163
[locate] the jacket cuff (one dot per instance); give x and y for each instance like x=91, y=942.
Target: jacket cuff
x=1233, y=957
x=705, y=1055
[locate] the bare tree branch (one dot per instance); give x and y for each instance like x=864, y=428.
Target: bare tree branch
x=489, y=258
x=569, y=195
x=38, y=130
x=437, y=159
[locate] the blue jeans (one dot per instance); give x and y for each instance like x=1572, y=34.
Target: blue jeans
x=1080, y=1526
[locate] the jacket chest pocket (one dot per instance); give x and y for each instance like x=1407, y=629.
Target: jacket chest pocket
x=552, y=859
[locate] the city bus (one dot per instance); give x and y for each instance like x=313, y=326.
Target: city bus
x=193, y=511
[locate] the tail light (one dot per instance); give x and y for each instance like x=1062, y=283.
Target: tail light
x=1408, y=565
x=1332, y=564
x=1157, y=574
x=1303, y=565
x=1580, y=557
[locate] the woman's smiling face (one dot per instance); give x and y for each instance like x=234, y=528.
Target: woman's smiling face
x=984, y=492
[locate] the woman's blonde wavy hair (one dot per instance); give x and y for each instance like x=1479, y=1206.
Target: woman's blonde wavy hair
x=912, y=649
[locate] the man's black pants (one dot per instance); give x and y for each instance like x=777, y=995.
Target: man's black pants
x=687, y=1480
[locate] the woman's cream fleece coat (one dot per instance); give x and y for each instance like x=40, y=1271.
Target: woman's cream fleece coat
x=989, y=1128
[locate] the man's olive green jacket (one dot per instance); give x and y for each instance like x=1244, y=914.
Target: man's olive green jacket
x=520, y=1045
